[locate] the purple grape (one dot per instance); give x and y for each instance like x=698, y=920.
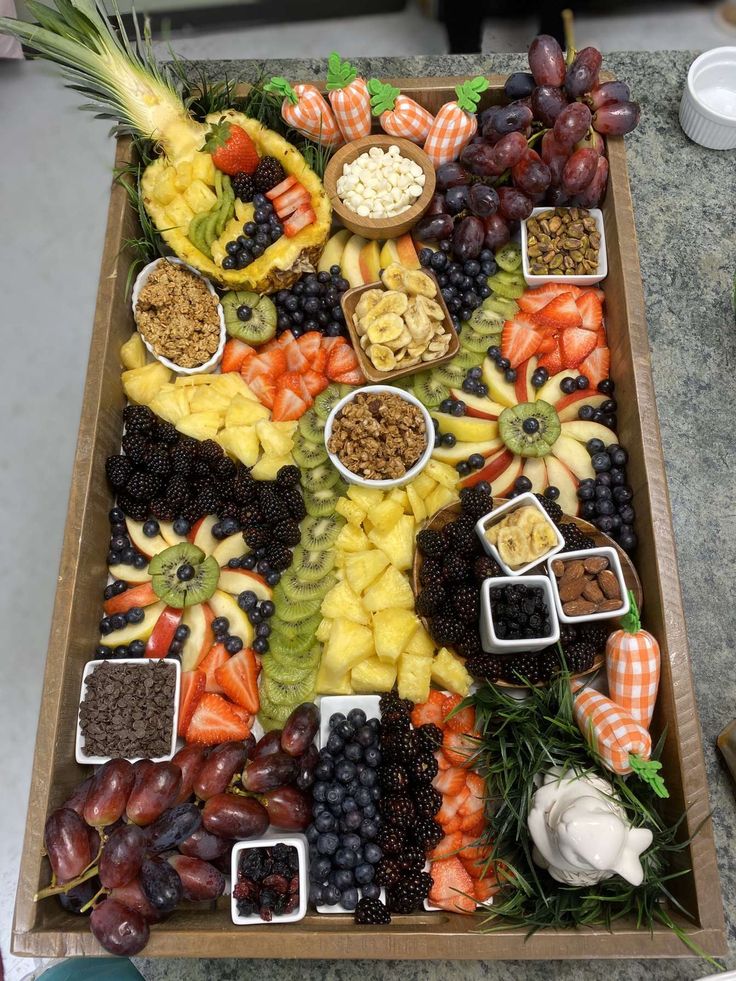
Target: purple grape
x=450, y=175
x=509, y=150
x=479, y=159
x=572, y=123
x=496, y=232
x=608, y=92
x=456, y=198
x=513, y=205
x=482, y=200
x=467, y=240
x=433, y=228
x=617, y=118
x=531, y=174
x=582, y=74
x=547, y=103
x=579, y=170
x=546, y=60
x=513, y=118
x=519, y=85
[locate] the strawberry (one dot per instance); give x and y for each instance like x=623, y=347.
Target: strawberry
x=448, y=847
x=300, y=219
x=474, y=852
x=485, y=888
x=281, y=188
x=473, y=824
x=342, y=358
x=192, y=689
x=318, y=362
x=291, y=200
x=235, y=354
x=274, y=362
x=442, y=762
x=243, y=714
x=451, y=804
x=310, y=344
x=428, y=712
x=328, y=343
x=452, y=887
x=560, y=313
x=450, y=781
x=251, y=368
x=534, y=300
x=458, y=748
x=239, y=679
x=264, y=389
x=315, y=382
x=354, y=377
x=547, y=344
x=295, y=383
x=591, y=311
x=296, y=360
x=596, y=366
x=287, y=406
x=233, y=151
x=552, y=360
x=462, y=721
x=520, y=339
x=216, y=657
x=214, y=721
x=575, y=345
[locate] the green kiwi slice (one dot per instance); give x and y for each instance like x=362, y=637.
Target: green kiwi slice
x=308, y=455
x=502, y=305
x=295, y=588
x=285, y=672
x=288, y=645
x=450, y=374
x=322, y=502
x=311, y=427
x=311, y=565
x=511, y=290
x=320, y=533
x=260, y=326
x=429, y=390
x=304, y=626
x=321, y=476
x=309, y=657
x=484, y=321
x=529, y=440
x=327, y=400
x=291, y=693
x=471, y=340
x=183, y=575
x=298, y=611
x=274, y=715
x=508, y=257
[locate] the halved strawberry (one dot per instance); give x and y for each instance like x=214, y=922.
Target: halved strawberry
x=295, y=383
x=319, y=361
x=192, y=688
x=458, y=748
x=342, y=359
x=485, y=888
x=214, y=721
x=462, y=721
x=452, y=887
x=235, y=354
x=575, y=345
x=560, y=313
x=447, y=848
x=210, y=663
x=591, y=311
x=274, y=362
x=473, y=851
x=310, y=344
x=442, y=762
x=472, y=824
x=451, y=804
x=300, y=219
x=295, y=357
x=293, y=198
x=450, y=781
x=596, y=366
x=287, y=406
x=239, y=679
x=243, y=714
x=354, y=377
x=264, y=389
x=251, y=368
x=520, y=339
x=552, y=360
x=547, y=344
x=282, y=188
x=315, y=382
x=432, y=711
x=328, y=343
x=533, y=300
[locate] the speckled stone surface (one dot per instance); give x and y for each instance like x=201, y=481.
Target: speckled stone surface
x=684, y=199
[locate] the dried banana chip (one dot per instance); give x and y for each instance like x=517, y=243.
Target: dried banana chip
x=399, y=354
x=359, y=328
x=410, y=362
x=402, y=340
x=430, y=307
x=393, y=276
x=367, y=301
x=382, y=357
x=417, y=349
x=391, y=302
x=386, y=328
x=419, y=283
x=365, y=342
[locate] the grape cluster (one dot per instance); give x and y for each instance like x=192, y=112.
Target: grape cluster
x=606, y=498
x=313, y=303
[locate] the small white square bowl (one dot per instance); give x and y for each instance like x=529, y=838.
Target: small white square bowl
x=614, y=564
x=294, y=840
x=495, y=645
x=596, y=277
x=490, y=519
x=141, y=663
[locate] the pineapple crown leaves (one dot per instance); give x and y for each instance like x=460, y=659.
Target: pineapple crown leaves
x=280, y=86
x=339, y=72
x=383, y=96
x=468, y=94
x=631, y=622
x=648, y=772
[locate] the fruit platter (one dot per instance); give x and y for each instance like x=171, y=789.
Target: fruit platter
x=368, y=639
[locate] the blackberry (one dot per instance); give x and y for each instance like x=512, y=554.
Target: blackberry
x=485, y=567
x=135, y=445
x=445, y=630
x=595, y=634
x=279, y=557
x=199, y=468
x=475, y=503
x=469, y=644
x=411, y=859
x=427, y=801
x=466, y=601
x=137, y=510
x=430, y=600
x=549, y=663
x=287, y=532
x=388, y=872
x=138, y=418
x=249, y=516
x=431, y=572
x=393, y=778
x=485, y=666
x=225, y=468
x=390, y=841
x=407, y=896
x=243, y=488
x=431, y=543
x=207, y=501
x=162, y=510
x=268, y=174
x=429, y=737
x=460, y=535
x=288, y=476
x=423, y=769
x=371, y=912
x=157, y=461
x=272, y=509
x=181, y=457
x=243, y=186
x=569, y=634
x=143, y=486
x=580, y=657
x=257, y=536
x=398, y=810
x=210, y=451
x=455, y=569
x=391, y=702
x=398, y=746
x=293, y=502
x=523, y=668
x=552, y=508
x=118, y=470
x=177, y=492
x=166, y=432
x=575, y=539
x=427, y=833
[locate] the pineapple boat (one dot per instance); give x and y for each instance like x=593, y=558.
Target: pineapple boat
x=189, y=198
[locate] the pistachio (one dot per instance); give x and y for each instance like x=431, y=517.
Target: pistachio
x=563, y=241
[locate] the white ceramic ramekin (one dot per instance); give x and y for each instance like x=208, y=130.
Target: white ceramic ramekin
x=271, y=838
x=495, y=645
x=614, y=564
x=708, y=106
x=601, y=272
x=527, y=499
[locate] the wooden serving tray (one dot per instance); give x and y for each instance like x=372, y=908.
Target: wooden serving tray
x=46, y=930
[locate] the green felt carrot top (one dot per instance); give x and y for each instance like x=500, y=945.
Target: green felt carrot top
x=631, y=622
x=383, y=96
x=281, y=87
x=648, y=772
x=339, y=73
x=468, y=94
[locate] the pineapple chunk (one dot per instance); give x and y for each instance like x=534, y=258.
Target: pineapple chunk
x=361, y=568
x=142, y=384
x=193, y=381
x=342, y=601
x=165, y=189
x=440, y=497
x=365, y=497
x=391, y=632
x=421, y=643
x=183, y=175
x=179, y=214
x=414, y=676
x=349, y=644
x=242, y=411
x=327, y=684
x=371, y=676
x=133, y=352
x=276, y=438
x=322, y=633
x=240, y=442
x=352, y=512
x=352, y=539
x=267, y=467
x=199, y=197
x=231, y=384
x=397, y=542
x=399, y=495
x=200, y=425
x=390, y=590
x=443, y=473
x=203, y=168
x=206, y=399
x=171, y=405
x=449, y=672
x=340, y=560
x=385, y=515
x=243, y=210
x=416, y=503
x=422, y=484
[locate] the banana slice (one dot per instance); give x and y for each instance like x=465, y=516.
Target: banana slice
x=542, y=538
x=525, y=518
x=403, y=340
x=493, y=532
x=419, y=284
x=416, y=350
x=387, y=328
x=391, y=302
x=367, y=301
x=417, y=321
x=359, y=328
x=430, y=307
x=383, y=357
x=393, y=276
x=513, y=546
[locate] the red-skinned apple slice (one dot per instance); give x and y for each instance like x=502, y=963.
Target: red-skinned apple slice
x=525, y=391
x=169, y=535
x=201, y=636
x=232, y=547
x=498, y=388
x=561, y=478
x=201, y=534
x=570, y=405
x=135, y=631
x=503, y=484
x=536, y=470
x=551, y=391
x=461, y=451
x=163, y=632
x=478, y=408
x=223, y=605
x=495, y=466
x=235, y=581
x=148, y=546
x=129, y=573
x=583, y=431
x=575, y=457
x=142, y=595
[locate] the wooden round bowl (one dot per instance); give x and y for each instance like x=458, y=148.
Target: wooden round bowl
x=378, y=228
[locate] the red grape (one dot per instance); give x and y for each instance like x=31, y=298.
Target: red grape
x=268, y=744
x=189, y=759
x=579, y=170
x=513, y=205
x=122, y=855
x=592, y=141
x=479, y=159
x=288, y=808
x=74, y=899
x=119, y=930
x=78, y=796
x=300, y=729
x=307, y=763
x=234, y=817
x=591, y=196
x=513, y=118
x=161, y=884
x=436, y=206
x=467, y=240
x=583, y=72
x=219, y=768
x=546, y=60
x=518, y=85
x=204, y=845
x=450, y=175
x=572, y=123
x=108, y=793
x=617, y=118
x=67, y=844
x=496, y=231
x=483, y=200
x=509, y=150
x=155, y=789
x=433, y=228
x=174, y=825
x=607, y=92
x=557, y=197
x=547, y=103
x=266, y=772
x=556, y=166
x=456, y=198
x=94, y=840
x=132, y=896
x=200, y=881
x=531, y=174
x=551, y=148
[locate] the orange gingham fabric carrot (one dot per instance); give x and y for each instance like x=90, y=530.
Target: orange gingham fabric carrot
x=399, y=115
x=455, y=124
x=633, y=664
x=349, y=98
x=306, y=110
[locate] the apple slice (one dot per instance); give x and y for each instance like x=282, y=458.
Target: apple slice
x=389, y=253
x=466, y=429
x=350, y=261
x=407, y=252
x=135, y=631
x=169, y=535
x=334, y=250
x=503, y=484
x=232, y=547
x=142, y=595
x=568, y=408
x=583, y=431
x=574, y=456
x=370, y=262
x=478, y=408
x=496, y=465
x=201, y=534
x=201, y=636
x=525, y=391
x=561, y=478
x=148, y=546
x=461, y=451
x=223, y=605
x=163, y=633
x=235, y=581
x=498, y=388
x=536, y=470
x=129, y=573
x=551, y=391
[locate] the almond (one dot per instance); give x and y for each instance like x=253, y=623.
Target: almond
x=579, y=608
x=609, y=584
x=595, y=564
x=609, y=605
x=571, y=589
x=558, y=567
x=592, y=591
x=573, y=570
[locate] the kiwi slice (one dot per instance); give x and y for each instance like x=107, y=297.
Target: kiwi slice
x=320, y=477
x=309, y=657
x=471, y=340
x=268, y=723
x=312, y=565
x=450, y=374
x=529, y=428
x=298, y=611
x=429, y=389
x=311, y=427
x=327, y=400
x=511, y=290
x=295, y=629
x=295, y=588
x=320, y=533
x=183, y=575
x=284, y=646
x=274, y=714
x=508, y=257
x=259, y=327
x=291, y=693
x=484, y=321
x=322, y=502
x=506, y=307
x=285, y=672
x=308, y=455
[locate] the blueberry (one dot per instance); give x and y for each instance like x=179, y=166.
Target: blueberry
x=345, y=858
x=349, y=898
x=260, y=645
x=220, y=625
x=588, y=510
x=603, y=492
x=349, y=805
x=448, y=439
x=134, y=615
x=446, y=405
x=319, y=790
x=368, y=827
x=372, y=756
x=315, y=894
x=619, y=456
x=136, y=648
x=595, y=446
x=312, y=835
x=328, y=843
x=368, y=777
x=320, y=868
x=335, y=794
x=263, y=630
x=476, y=461
x=458, y=408
x=345, y=771
x=552, y=493
x=371, y=890
x=233, y=645
x=117, y=621
x=116, y=516
x=247, y=599
x=343, y=879
x=586, y=493
x=503, y=363
x=362, y=796
x=330, y=895
x=175, y=648
x=273, y=578
x=354, y=752
x=352, y=820
x=585, y=413
x=365, y=736
x=139, y=561
x=605, y=507
x=324, y=822
x=102, y=651
x=364, y=873
x=600, y=462
x=150, y=528
x=335, y=718
x=345, y=730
